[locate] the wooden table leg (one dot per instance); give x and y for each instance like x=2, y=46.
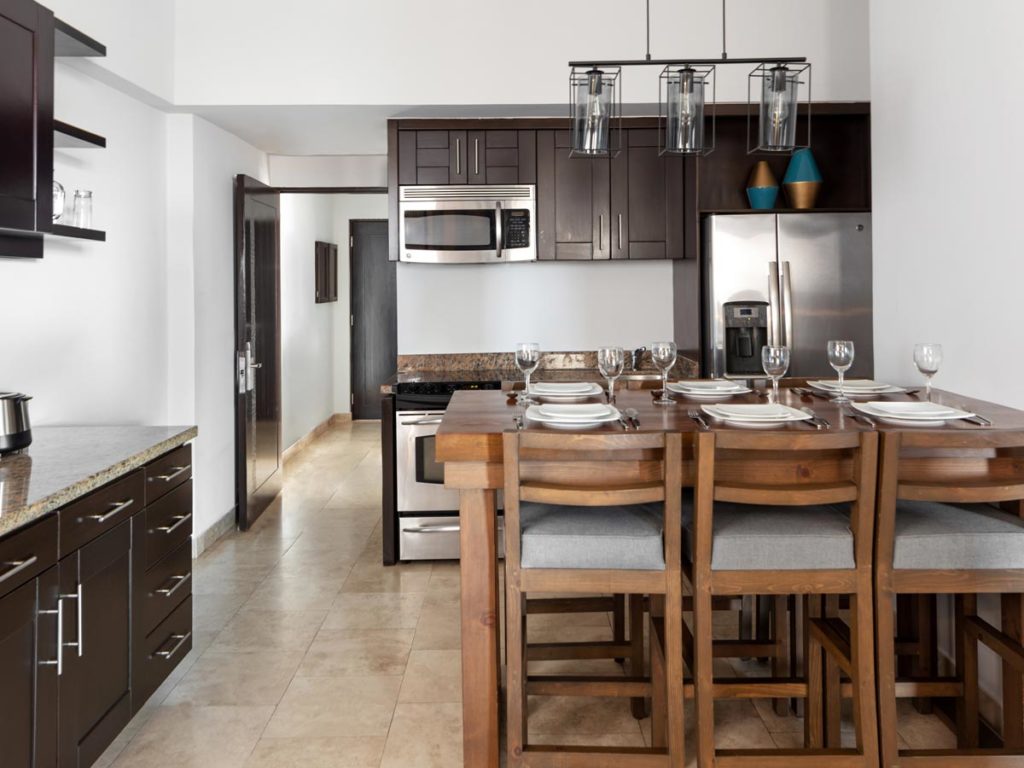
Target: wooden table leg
x=478, y=565
x=1013, y=684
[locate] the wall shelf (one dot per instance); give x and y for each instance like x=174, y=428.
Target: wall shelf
x=62, y=230
x=67, y=136
x=68, y=41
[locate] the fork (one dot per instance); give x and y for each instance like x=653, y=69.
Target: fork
x=632, y=415
x=697, y=417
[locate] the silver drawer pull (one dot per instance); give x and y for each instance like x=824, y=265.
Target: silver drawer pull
x=449, y=528
x=178, y=581
x=118, y=506
x=182, y=519
x=175, y=471
x=182, y=639
x=17, y=566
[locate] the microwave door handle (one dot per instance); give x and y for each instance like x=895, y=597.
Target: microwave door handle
x=497, y=228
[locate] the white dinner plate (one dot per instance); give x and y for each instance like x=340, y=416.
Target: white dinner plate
x=562, y=387
x=755, y=414
x=707, y=385
x=681, y=388
x=592, y=390
x=578, y=412
x=537, y=413
x=913, y=414
x=833, y=389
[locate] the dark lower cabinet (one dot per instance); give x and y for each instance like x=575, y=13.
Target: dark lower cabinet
x=28, y=671
x=95, y=686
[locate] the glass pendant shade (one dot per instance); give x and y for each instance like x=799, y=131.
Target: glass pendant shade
x=595, y=105
x=684, y=90
x=777, y=110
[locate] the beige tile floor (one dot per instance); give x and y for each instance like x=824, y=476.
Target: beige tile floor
x=309, y=652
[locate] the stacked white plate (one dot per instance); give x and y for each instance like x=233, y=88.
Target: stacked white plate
x=558, y=390
x=762, y=415
x=855, y=387
x=574, y=416
x=714, y=389
x=912, y=414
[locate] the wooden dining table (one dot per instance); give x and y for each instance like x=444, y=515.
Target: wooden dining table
x=469, y=443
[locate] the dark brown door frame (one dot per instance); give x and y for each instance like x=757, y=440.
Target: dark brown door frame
x=243, y=184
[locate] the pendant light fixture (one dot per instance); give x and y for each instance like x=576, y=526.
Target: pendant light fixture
x=596, y=102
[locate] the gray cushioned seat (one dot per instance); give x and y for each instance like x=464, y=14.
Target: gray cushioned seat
x=754, y=538
x=945, y=536
x=618, y=538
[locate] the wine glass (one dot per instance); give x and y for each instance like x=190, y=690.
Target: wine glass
x=840, y=357
x=928, y=358
x=663, y=354
x=527, y=359
x=775, y=361
x=610, y=361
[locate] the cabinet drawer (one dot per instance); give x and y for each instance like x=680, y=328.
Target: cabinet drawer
x=27, y=553
x=168, y=523
x=165, y=585
x=168, y=472
x=161, y=651
x=100, y=511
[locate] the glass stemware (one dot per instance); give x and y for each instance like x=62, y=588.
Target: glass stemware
x=928, y=358
x=663, y=354
x=840, y=357
x=775, y=361
x=610, y=361
x=527, y=359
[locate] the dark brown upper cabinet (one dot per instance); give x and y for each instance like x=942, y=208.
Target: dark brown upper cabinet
x=432, y=156
x=573, y=204
x=647, y=212
x=326, y=272
x=26, y=116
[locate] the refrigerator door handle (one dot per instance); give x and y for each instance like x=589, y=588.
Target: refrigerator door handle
x=787, y=304
x=774, y=317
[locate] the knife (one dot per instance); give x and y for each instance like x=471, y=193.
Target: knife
x=816, y=420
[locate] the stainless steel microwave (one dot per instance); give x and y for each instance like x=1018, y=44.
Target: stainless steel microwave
x=467, y=224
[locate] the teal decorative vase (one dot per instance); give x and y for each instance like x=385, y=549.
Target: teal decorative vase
x=802, y=180
x=762, y=188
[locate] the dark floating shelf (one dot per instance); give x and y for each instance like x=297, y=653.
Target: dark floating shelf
x=67, y=136
x=68, y=41
x=19, y=245
x=62, y=230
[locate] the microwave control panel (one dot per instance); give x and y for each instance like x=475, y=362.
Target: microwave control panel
x=515, y=228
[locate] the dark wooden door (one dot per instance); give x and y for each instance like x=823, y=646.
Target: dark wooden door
x=28, y=706
x=258, y=348
x=95, y=687
x=374, y=316
x=647, y=211
x=26, y=119
x=573, y=207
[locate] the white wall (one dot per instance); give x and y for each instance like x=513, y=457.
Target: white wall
x=562, y=306
x=412, y=52
x=946, y=168
x=85, y=328
x=307, y=328
x=329, y=171
x=346, y=208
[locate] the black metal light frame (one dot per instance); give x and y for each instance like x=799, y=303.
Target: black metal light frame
x=759, y=73
x=706, y=72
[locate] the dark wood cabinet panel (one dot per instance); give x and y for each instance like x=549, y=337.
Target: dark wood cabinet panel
x=101, y=511
x=95, y=687
x=28, y=641
x=26, y=121
x=573, y=202
x=168, y=472
x=527, y=157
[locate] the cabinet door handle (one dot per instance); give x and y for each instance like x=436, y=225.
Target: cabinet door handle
x=600, y=232
x=79, y=598
x=182, y=519
x=182, y=639
x=174, y=473
x=620, y=231
x=458, y=157
x=179, y=580
x=17, y=566
x=59, y=661
x=476, y=157
x=118, y=506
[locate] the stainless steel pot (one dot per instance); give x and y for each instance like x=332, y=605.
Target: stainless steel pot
x=15, y=428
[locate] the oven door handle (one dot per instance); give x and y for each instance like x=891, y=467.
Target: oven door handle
x=421, y=422
x=437, y=528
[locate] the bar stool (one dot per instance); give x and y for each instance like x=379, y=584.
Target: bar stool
x=591, y=513
x=940, y=531
x=780, y=514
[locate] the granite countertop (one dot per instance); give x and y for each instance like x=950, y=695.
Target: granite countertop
x=65, y=463
x=554, y=366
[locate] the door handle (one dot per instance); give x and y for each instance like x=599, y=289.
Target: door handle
x=118, y=506
x=421, y=422
x=620, y=231
x=79, y=597
x=182, y=519
x=59, y=661
x=178, y=582
x=787, y=304
x=497, y=228
x=476, y=157
x=458, y=158
x=17, y=566
x=182, y=639
x=255, y=365
x=774, y=317
x=600, y=232
x=175, y=472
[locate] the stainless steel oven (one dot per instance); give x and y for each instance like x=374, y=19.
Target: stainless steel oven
x=427, y=512
x=467, y=224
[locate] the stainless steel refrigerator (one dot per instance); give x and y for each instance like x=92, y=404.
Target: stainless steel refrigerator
x=812, y=269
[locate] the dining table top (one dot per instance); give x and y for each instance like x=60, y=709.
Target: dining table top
x=472, y=425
